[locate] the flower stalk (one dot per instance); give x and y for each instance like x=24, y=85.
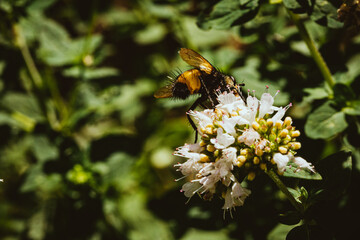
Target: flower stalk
x=284, y=189
x=313, y=49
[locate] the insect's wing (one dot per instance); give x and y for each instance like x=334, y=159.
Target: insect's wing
x=196, y=60
x=164, y=92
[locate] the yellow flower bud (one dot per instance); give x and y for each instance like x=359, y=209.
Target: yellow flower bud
x=244, y=151
x=295, y=145
x=241, y=159
x=259, y=152
x=283, y=149
x=263, y=166
x=255, y=125
x=202, y=143
x=283, y=133
x=278, y=124
x=209, y=129
x=204, y=158
x=251, y=176
x=287, y=121
x=210, y=148
x=256, y=160
x=269, y=122
x=295, y=133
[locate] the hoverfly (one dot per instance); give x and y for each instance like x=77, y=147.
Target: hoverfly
x=204, y=80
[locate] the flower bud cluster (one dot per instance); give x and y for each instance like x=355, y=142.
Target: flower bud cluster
x=239, y=139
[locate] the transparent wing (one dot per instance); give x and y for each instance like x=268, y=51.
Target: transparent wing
x=164, y=92
x=196, y=60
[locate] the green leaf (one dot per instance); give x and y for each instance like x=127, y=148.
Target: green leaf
x=301, y=173
x=325, y=122
x=315, y=94
x=193, y=234
x=43, y=149
x=298, y=6
x=229, y=13
x=325, y=14
x=24, y=104
x=279, y=232
x=353, y=108
x=38, y=6
x=90, y=73
x=151, y=34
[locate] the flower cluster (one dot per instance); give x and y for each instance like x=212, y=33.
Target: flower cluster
x=239, y=139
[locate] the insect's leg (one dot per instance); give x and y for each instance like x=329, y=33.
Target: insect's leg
x=207, y=91
x=195, y=104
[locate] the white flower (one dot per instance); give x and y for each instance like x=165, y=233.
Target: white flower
x=213, y=164
x=203, y=118
x=192, y=164
x=249, y=137
x=266, y=103
x=253, y=104
x=229, y=123
x=229, y=102
x=281, y=161
x=280, y=113
x=302, y=163
x=190, y=188
x=225, y=164
x=235, y=196
x=222, y=140
x=209, y=182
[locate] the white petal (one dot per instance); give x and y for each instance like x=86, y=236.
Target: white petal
x=281, y=161
x=266, y=103
x=222, y=140
x=190, y=188
x=302, y=163
x=249, y=137
x=279, y=115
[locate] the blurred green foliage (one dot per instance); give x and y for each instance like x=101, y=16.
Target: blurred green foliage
x=85, y=149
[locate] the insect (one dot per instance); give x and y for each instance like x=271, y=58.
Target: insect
x=204, y=79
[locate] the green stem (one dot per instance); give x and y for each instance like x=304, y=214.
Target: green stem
x=36, y=78
x=313, y=50
x=21, y=43
x=284, y=189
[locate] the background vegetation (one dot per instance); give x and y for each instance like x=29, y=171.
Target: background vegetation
x=86, y=151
